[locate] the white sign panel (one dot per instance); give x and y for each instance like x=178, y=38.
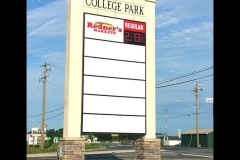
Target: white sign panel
x=104, y=28
x=113, y=105
x=209, y=100
x=114, y=87
x=113, y=124
x=113, y=68
x=112, y=50
x=114, y=75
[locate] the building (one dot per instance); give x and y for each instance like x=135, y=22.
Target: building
x=170, y=140
x=189, y=138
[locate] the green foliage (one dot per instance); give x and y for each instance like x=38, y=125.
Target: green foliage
x=108, y=137
x=48, y=144
x=92, y=146
x=52, y=147
x=102, y=137
x=47, y=148
x=55, y=133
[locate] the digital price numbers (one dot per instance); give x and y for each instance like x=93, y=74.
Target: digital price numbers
x=134, y=38
x=134, y=32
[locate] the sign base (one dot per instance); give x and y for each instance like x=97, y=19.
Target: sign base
x=72, y=148
x=148, y=148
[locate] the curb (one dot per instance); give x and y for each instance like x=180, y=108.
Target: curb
x=86, y=153
x=42, y=154
x=109, y=152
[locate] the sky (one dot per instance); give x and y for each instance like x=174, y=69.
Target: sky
x=184, y=58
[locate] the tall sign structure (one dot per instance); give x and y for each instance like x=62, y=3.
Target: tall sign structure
x=110, y=72
x=114, y=78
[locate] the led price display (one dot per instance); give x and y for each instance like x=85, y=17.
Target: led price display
x=134, y=32
x=134, y=38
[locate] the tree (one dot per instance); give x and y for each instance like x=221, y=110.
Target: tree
x=59, y=133
x=50, y=133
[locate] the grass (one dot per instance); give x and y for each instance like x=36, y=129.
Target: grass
x=92, y=146
x=47, y=148
x=53, y=148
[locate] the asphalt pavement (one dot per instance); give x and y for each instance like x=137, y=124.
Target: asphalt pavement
x=86, y=153
x=176, y=153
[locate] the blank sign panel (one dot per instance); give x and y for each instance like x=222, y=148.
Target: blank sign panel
x=113, y=68
x=114, y=50
x=113, y=105
x=113, y=124
x=113, y=86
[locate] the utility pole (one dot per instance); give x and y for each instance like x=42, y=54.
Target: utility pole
x=166, y=121
x=44, y=79
x=196, y=95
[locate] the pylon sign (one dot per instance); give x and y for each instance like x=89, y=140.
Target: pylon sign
x=114, y=75
x=209, y=100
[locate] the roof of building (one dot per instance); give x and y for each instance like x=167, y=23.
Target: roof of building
x=200, y=131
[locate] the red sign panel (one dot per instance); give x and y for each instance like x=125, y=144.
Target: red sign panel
x=134, y=26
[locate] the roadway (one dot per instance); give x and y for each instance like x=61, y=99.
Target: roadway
x=126, y=152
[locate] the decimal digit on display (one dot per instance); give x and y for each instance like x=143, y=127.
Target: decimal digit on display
x=138, y=37
x=127, y=36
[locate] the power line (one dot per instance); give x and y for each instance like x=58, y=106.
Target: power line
x=36, y=101
x=156, y=87
x=55, y=116
x=59, y=72
x=58, y=68
x=206, y=80
x=46, y=112
x=205, y=108
x=156, y=119
x=183, y=82
x=168, y=91
x=161, y=82
x=48, y=118
x=55, y=84
x=184, y=75
x=164, y=92
x=184, y=115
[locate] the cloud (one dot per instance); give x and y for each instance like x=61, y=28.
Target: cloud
x=192, y=36
x=46, y=32
x=195, y=8
x=167, y=22
x=52, y=28
x=170, y=12
x=47, y=21
x=190, y=31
